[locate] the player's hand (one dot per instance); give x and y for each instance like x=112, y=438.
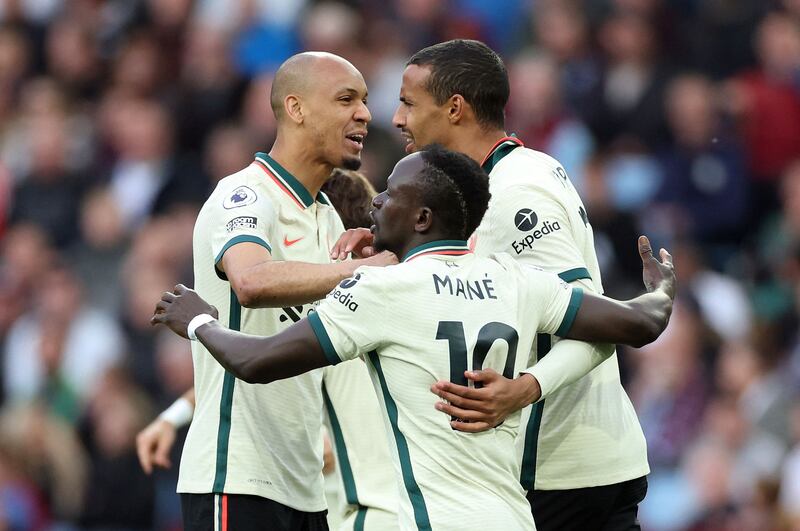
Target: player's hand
x=657, y=274
x=178, y=307
x=479, y=409
x=153, y=445
x=356, y=241
x=382, y=259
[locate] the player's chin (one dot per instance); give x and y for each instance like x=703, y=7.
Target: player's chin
x=350, y=162
x=377, y=243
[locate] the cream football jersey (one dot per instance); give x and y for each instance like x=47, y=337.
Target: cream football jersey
x=263, y=440
x=441, y=311
x=586, y=433
x=368, y=497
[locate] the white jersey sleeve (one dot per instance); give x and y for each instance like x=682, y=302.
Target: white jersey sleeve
x=568, y=361
x=350, y=321
x=242, y=216
x=556, y=301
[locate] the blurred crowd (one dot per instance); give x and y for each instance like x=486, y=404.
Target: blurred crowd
x=679, y=119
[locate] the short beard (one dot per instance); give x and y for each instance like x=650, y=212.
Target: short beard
x=351, y=164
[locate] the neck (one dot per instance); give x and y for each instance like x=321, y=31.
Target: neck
x=476, y=142
x=421, y=239
x=300, y=162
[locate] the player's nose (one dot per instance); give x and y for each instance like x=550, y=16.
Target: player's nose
x=398, y=120
x=363, y=114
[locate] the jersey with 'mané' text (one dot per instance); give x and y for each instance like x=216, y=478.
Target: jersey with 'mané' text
x=586, y=433
x=441, y=311
x=263, y=440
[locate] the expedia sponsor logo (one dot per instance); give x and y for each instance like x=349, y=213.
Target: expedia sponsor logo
x=525, y=219
x=242, y=222
x=527, y=242
x=344, y=298
x=350, y=282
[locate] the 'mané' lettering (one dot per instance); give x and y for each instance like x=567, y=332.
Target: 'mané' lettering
x=467, y=289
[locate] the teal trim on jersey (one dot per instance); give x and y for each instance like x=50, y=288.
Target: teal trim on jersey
x=579, y=273
x=415, y=495
x=242, y=238
x=323, y=338
x=527, y=477
x=225, y=406
x=323, y=198
x=499, y=152
x=290, y=181
x=358, y=525
x=350, y=492
x=438, y=246
x=575, y=301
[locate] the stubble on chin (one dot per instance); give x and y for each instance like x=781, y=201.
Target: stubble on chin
x=351, y=164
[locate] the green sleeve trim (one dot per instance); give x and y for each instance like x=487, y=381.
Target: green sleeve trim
x=572, y=275
x=244, y=238
x=323, y=338
x=575, y=301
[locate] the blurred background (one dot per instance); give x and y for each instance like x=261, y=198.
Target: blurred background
x=675, y=118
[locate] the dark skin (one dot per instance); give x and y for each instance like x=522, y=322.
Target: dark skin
x=402, y=222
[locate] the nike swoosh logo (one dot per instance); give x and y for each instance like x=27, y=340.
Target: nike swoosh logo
x=288, y=243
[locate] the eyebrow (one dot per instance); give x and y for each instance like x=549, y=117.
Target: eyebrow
x=351, y=91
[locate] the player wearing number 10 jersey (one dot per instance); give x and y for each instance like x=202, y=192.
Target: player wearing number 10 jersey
x=440, y=311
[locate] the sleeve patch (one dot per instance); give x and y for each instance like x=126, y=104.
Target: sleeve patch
x=242, y=222
x=240, y=197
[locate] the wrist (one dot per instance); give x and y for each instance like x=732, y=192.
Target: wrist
x=196, y=322
x=179, y=414
x=528, y=389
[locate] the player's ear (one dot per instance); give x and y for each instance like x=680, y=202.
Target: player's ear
x=456, y=108
x=293, y=108
x=424, y=220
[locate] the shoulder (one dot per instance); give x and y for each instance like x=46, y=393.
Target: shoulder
x=526, y=159
x=505, y=262
x=240, y=189
x=527, y=168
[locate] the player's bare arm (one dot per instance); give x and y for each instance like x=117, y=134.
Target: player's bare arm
x=260, y=282
x=635, y=322
x=638, y=321
x=253, y=359
x=155, y=442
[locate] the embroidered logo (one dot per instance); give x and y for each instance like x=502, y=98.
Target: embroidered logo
x=240, y=197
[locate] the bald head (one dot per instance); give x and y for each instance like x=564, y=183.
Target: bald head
x=302, y=71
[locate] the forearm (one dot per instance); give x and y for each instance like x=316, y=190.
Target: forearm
x=656, y=308
x=276, y=284
x=636, y=322
x=257, y=359
x=567, y=362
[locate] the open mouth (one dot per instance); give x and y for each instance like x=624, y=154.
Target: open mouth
x=409, y=142
x=356, y=140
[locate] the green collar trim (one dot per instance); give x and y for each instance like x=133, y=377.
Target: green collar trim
x=289, y=182
x=443, y=247
x=503, y=147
